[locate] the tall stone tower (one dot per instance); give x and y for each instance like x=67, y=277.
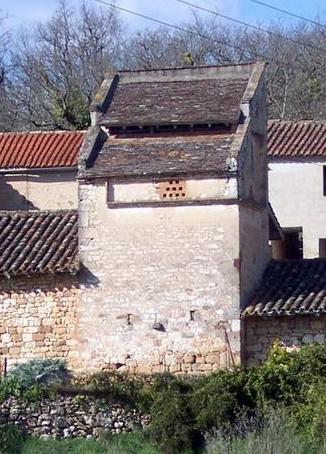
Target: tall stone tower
x=174, y=218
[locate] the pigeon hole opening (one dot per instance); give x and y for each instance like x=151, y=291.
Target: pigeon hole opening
x=172, y=190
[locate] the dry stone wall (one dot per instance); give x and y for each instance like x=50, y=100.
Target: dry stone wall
x=66, y=417
x=37, y=317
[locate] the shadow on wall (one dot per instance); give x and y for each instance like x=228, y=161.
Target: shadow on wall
x=11, y=199
x=87, y=279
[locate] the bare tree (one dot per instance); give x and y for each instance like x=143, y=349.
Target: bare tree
x=5, y=123
x=59, y=65
x=57, y=68
x=296, y=57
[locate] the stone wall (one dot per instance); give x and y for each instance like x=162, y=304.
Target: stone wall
x=37, y=317
x=291, y=331
x=160, y=286
x=66, y=416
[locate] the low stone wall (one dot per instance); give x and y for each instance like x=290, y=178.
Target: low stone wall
x=292, y=332
x=37, y=317
x=68, y=416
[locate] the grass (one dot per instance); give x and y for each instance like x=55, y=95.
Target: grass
x=135, y=443
x=277, y=437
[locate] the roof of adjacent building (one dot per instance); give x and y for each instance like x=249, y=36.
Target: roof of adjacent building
x=162, y=156
x=192, y=95
x=287, y=139
x=290, y=287
x=38, y=242
x=40, y=149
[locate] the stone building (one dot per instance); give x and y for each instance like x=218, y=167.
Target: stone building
x=173, y=229
x=297, y=186
x=38, y=284
x=288, y=306
x=173, y=218
x=38, y=170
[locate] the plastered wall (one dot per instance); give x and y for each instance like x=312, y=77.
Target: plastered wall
x=38, y=191
x=296, y=194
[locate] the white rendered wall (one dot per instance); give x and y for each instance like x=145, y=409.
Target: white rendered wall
x=56, y=190
x=296, y=195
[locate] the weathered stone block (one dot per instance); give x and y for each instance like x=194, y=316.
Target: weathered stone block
x=212, y=359
x=189, y=359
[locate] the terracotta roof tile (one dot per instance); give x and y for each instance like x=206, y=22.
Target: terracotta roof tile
x=296, y=139
x=38, y=242
x=291, y=287
x=40, y=149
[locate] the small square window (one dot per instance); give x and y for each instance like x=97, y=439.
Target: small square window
x=171, y=190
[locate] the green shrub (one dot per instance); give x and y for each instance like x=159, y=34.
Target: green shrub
x=310, y=417
x=173, y=425
x=10, y=387
x=117, y=387
x=218, y=399
x=11, y=440
x=31, y=381
x=286, y=377
x=40, y=372
x=276, y=380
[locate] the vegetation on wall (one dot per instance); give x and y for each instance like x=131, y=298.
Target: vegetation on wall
x=229, y=411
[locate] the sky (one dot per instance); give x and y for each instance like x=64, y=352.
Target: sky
x=24, y=12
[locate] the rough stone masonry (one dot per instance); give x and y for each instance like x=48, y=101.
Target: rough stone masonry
x=173, y=218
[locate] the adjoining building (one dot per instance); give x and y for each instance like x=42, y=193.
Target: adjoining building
x=38, y=170
x=297, y=186
x=289, y=306
x=38, y=284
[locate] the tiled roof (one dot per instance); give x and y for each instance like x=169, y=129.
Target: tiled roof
x=291, y=287
x=38, y=242
x=296, y=138
x=40, y=149
x=198, y=95
x=162, y=156
x=182, y=102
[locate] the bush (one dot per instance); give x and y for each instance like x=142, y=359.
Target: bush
x=11, y=440
x=10, y=387
x=40, y=372
x=220, y=398
x=172, y=418
x=31, y=381
x=117, y=387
